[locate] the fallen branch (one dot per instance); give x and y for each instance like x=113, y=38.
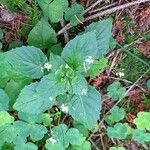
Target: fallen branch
x=105, y=12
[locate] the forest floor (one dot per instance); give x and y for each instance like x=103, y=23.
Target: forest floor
x=129, y=61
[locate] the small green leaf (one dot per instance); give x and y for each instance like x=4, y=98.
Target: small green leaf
x=55, y=49
x=35, y=131
x=55, y=146
x=1, y=34
x=28, y=61
x=26, y=146
x=116, y=148
x=5, y=118
x=42, y=35
x=4, y=100
x=148, y=84
x=46, y=119
x=53, y=9
x=86, y=145
x=116, y=91
x=119, y=131
x=85, y=107
x=141, y=136
x=97, y=67
x=142, y=120
x=56, y=62
x=7, y=133
x=74, y=14
x=103, y=30
x=117, y=114
x=74, y=136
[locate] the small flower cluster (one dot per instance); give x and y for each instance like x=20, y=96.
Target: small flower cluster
x=89, y=60
x=46, y=66
x=64, y=108
x=120, y=74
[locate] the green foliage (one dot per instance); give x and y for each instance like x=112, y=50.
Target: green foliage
x=83, y=114
x=79, y=50
x=36, y=84
x=141, y=136
x=142, y=120
x=28, y=61
x=53, y=9
x=5, y=118
x=45, y=33
x=97, y=67
x=1, y=36
x=119, y=131
x=116, y=91
x=116, y=148
x=62, y=137
x=102, y=30
x=4, y=100
x=116, y=115
x=148, y=84
x=74, y=14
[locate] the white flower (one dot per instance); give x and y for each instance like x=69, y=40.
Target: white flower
x=52, y=140
x=89, y=60
x=120, y=74
x=51, y=98
x=66, y=66
x=42, y=69
x=84, y=92
x=47, y=66
x=64, y=108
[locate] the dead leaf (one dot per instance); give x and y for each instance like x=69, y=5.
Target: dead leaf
x=144, y=48
x=130, y=117
x=136, y=95
x=99, y=81
x=143, y=18
x=117, y=33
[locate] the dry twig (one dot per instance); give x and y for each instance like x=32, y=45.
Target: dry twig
x=105, y=12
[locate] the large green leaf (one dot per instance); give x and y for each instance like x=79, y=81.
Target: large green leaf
x=4, y=65
x=32, y=101
x=4, y=100
x=42, y=35
x=13, y=88
x=85, y=107
x=103, y=34
x=53, y=9
x=79, y=49
x=28, y=61
x=52, y=85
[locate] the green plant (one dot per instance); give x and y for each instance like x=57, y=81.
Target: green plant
x=44, y=82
